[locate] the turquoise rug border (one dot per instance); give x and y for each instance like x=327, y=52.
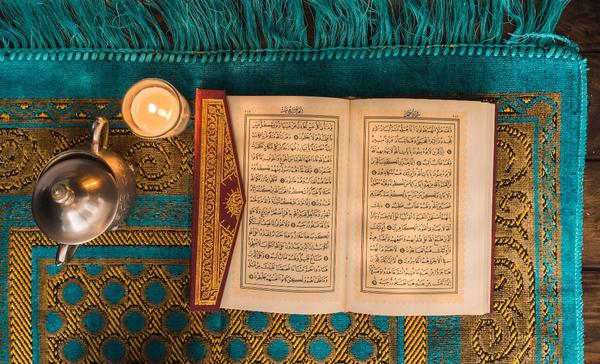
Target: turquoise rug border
x=214, y=74
x=572, y=176
x=187, y=83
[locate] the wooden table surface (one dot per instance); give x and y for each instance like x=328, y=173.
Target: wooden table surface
x=581, y=23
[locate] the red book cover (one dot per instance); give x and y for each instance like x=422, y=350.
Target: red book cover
x=217, y=203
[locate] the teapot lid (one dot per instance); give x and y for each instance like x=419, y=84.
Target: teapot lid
x=75, y=199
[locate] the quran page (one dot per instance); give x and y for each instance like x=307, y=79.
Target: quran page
x=420, y=207
x=289, y=255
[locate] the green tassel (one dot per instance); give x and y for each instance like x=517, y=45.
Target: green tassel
x=228, y=27
x=282, y=24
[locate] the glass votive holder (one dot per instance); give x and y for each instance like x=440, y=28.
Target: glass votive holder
x=153, y=108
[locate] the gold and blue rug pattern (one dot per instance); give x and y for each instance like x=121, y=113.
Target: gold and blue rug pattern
x=125, y=299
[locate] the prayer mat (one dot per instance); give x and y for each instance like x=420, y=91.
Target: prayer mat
x=124, y=298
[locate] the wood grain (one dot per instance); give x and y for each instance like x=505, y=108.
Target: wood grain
x=579, y=22
x=591, y=313
x=593, y=140
x=591, y=215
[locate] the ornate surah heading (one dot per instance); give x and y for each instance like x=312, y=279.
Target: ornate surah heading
x=218, y=200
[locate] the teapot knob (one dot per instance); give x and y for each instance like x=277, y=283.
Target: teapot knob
x=61, y=194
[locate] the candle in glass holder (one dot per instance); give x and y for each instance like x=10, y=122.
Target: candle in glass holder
x=153, y=108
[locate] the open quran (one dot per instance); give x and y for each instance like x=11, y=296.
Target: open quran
x=379, y=206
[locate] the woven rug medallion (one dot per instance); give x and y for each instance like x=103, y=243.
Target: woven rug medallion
x=124, y=297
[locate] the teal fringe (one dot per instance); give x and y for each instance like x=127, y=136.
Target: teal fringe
x=221, y=30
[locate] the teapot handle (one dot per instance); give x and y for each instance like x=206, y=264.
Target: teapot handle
x=99, y=135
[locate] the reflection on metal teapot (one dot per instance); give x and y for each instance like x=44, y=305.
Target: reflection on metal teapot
x=82, y=193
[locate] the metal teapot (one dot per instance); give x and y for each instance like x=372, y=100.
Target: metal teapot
x=82, y=193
